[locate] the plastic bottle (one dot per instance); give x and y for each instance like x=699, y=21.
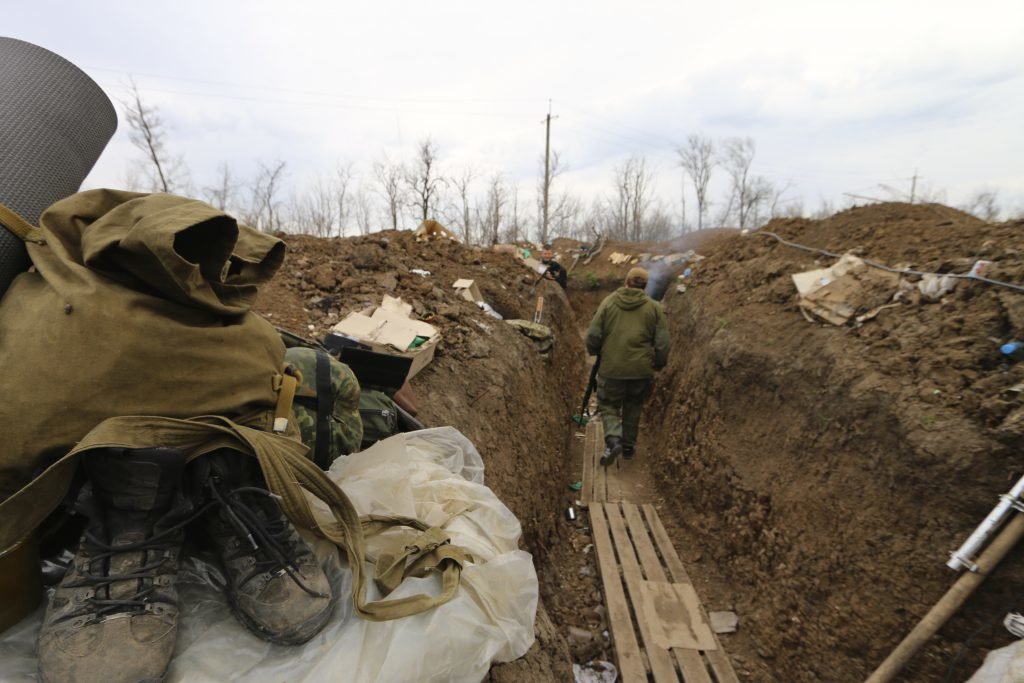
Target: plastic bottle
x=1013, y=350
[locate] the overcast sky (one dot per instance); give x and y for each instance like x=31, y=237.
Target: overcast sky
x=839, y=97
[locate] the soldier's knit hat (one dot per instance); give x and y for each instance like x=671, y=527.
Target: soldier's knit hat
x=637, y=274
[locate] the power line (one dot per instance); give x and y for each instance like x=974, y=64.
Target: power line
x=319, y=93
x=339, y=105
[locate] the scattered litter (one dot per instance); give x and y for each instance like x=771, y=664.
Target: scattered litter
x=597, y=671
x=681, y=289
x=420, y=272
x=432, y=230
x=933, y=286
x=390, y=329
x=576, y=486
x=979, y=268
x=836, y=293
x=570, y=513
x=486, y=308
x=723, y=622
x=587, y=548
x=1014, y=623
x=618, y=258
x=467, y=289
x=580, y=635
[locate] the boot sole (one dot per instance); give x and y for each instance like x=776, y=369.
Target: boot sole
x=297, y=635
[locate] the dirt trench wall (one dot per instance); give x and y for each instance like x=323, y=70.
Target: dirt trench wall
x=813, y=491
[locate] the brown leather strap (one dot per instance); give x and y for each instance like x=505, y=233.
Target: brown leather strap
x=19, y=226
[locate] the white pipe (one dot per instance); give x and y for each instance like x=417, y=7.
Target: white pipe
x=961, y=558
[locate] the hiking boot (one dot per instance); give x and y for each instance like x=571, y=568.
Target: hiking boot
x=628, y=452
x=275, y=585
x=114, y=616
x=613, y=449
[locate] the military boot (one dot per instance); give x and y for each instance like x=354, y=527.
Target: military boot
x=275, y=585
x=114, y=616
x=613, y=449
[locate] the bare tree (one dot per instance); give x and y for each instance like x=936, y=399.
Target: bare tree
x=262, y=212
x=422, y=178
x=698, y=160
x=166, y=173
x=514, y=225
x=389, y=180
x=343, y=175
x=222, y=193
x=565, y=216
x=362, y=207
x=983, y=205
x=462, y=212
x=747, y=193
x=632, y=198
x=493, y=214
x=314, y=211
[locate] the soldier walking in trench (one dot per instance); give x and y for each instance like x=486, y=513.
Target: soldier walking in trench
x=630, y=334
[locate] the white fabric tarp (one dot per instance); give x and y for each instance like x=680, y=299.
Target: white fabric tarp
x=435, y=475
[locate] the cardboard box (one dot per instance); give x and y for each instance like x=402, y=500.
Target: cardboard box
x=389, y=329
x=468, y=290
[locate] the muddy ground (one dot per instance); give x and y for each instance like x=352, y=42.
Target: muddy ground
x=814, y=478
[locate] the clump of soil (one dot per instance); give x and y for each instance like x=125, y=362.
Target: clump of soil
x=822, y=474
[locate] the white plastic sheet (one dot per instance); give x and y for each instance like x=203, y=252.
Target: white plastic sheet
x=435, y=475
x=1005, y=665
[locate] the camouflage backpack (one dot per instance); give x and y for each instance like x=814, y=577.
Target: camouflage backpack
x=379, y=414
x=326, y=405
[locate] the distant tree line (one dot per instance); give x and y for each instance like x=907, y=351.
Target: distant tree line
x=487, y=208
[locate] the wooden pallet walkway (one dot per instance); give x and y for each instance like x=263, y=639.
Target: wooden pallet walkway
x=659, y=628
x=598, y=485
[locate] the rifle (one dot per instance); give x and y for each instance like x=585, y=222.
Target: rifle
x=584, y=415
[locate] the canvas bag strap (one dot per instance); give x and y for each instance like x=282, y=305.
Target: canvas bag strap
x=324, y=410
x=19, y=226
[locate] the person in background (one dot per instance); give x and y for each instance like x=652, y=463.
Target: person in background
x=630, y=334
x=554, y=270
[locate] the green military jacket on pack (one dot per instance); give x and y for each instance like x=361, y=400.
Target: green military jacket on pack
x=630, y=333
x=326, y=405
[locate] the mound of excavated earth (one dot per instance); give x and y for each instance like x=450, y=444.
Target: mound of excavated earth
x=813, y=477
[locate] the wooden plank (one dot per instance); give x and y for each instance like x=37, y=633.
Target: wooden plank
x=627, y=651
x=661, y=661
x=719, y=661
x=588, y=468
x=690, y=661
x=600, y=471
x=674, y=611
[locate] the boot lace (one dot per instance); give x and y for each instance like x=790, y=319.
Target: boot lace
x=95, y=575
x=254, y=515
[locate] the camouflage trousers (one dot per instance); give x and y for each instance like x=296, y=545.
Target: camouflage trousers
x=619, y=402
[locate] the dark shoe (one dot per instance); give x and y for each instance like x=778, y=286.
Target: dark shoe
x=628, y=452
x=613, y=449
x=275, y=585
x=114, y=616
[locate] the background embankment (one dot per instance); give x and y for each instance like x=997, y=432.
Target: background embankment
x=821, y=475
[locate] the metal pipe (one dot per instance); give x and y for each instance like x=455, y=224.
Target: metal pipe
x=961, y=558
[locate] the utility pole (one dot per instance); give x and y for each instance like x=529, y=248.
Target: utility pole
x=547, y=172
